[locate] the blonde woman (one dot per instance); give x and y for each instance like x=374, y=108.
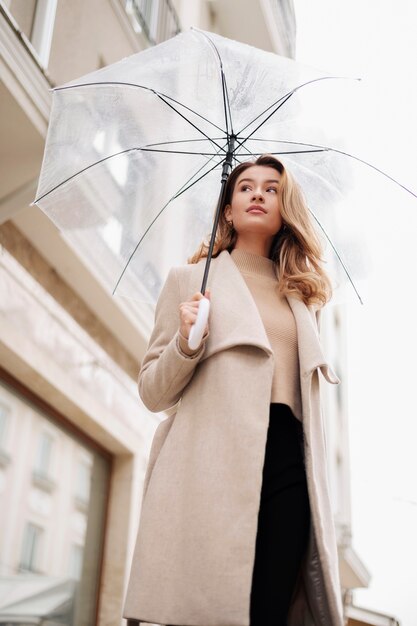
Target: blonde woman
x=236, y=526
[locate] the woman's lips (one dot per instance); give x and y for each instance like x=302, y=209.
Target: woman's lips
x=255, y=208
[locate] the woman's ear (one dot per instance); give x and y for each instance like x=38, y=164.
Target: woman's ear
x=227, y=212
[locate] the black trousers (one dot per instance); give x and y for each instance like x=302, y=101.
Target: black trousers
x=283, y=520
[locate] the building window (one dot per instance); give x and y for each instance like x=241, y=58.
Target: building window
x=82, y=485
x=31, y=546
x=36, y=19
x=43, y=456
x=41, y=474
x=157, y=20
x=43, y=532
x=76, y=561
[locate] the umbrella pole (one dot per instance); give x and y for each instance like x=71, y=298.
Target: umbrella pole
x=197, y=329
x=227, y=166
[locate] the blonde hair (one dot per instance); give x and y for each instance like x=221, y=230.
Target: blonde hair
x=296, y=249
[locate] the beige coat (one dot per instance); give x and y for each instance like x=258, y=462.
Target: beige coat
x=195, y=549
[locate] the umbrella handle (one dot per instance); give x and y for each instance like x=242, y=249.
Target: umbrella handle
x=197, y=329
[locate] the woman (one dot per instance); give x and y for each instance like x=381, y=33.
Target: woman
x=236, y=525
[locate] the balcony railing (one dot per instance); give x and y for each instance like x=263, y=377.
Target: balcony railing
x=157, y=19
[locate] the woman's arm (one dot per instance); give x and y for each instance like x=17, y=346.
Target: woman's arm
x=168, y=364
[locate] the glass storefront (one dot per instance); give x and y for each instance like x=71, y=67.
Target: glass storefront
x=53, y=496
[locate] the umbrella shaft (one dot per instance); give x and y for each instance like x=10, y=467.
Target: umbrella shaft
x=227, y=166
x=228, y=162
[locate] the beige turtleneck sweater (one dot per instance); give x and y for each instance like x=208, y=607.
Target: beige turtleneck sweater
x=278, y=319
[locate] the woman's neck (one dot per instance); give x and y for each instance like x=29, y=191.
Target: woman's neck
x=252, y=263
x=252, y=246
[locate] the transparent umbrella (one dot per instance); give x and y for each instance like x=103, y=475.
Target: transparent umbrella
x=138, y=153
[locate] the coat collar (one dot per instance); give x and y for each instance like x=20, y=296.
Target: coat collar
x=235, y=319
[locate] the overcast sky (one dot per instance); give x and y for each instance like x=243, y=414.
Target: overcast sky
x=377, y=41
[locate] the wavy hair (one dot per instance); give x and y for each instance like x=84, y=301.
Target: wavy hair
x=296, y=249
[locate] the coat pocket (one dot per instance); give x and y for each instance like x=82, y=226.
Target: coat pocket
x=158, y=440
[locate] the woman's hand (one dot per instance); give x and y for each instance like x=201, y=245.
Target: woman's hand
x=188, y=313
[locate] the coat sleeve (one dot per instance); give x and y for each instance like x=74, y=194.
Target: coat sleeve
x=165, y=368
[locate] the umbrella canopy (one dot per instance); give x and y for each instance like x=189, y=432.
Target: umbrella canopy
x=135, y=154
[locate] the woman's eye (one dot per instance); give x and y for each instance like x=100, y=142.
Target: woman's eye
x=244, y=187
x=272, y=189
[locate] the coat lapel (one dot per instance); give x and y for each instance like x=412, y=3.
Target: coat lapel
x=235, y=319
x=310, y=352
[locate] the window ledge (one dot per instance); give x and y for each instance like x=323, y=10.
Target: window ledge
x=43, y=482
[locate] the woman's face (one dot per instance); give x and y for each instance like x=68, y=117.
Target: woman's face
x=258, y=186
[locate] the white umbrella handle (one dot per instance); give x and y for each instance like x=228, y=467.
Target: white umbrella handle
x=197, y=329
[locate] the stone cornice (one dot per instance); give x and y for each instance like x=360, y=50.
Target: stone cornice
x=22, y=73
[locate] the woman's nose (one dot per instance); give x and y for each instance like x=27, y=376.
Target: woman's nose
x=257, y=194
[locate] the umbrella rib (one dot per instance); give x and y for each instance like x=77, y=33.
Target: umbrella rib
x=84, y=169
x=189, y=121
x=245, y=147
x=247, y=150
x=168, y=143
x=197, y=172
x=337, y=254
x=225, y=92
x=182, y=190
x=111, y=156
x=237, y=159
x=195, y=112
x=125, y=84
x=226, y=105
x=329, y=149
x=298, y=143
x=352, y=156
x=290, y=93
x=180, y=152
x=265, y=120
x=291, y=152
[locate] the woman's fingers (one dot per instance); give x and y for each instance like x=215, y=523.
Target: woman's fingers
x=189, y=317
x=189, y=312
x=198, y=296
x=193, y=304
